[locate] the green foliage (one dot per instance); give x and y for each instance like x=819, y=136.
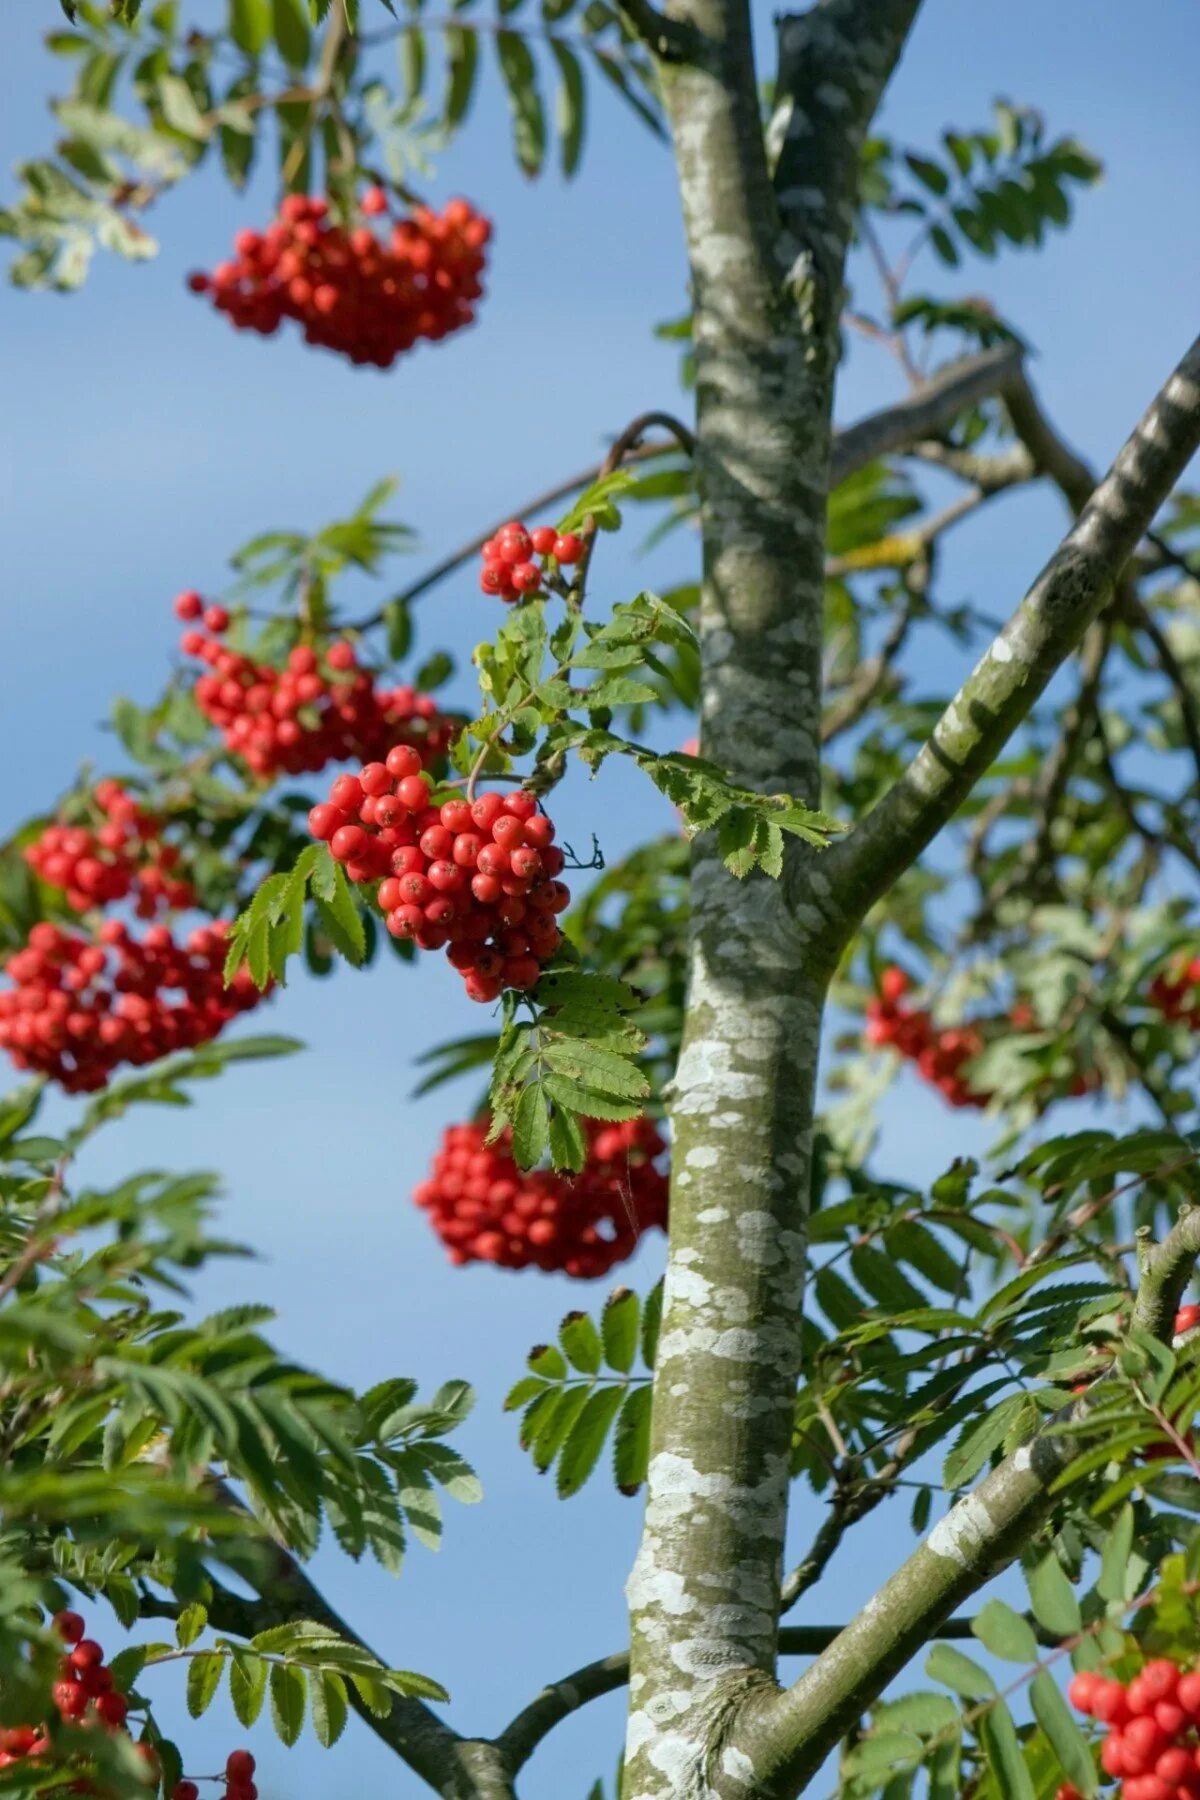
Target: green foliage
x=153, y=99
x=574, y=1058
x=573, y=1399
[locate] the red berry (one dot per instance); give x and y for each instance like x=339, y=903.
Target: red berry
x=413, y=791
x=69, y=1626
x=568, y=548
x=188, y=605
x=544, y=538
x=112, y=1709
x=185, y=1790
x=324, y=820
x=87, y=1654
x=373, y=202
x=347, y=842
x=526, y=577
x=240, y=1765
x=216, y=619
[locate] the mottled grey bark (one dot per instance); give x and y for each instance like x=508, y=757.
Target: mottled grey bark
x=767, y=288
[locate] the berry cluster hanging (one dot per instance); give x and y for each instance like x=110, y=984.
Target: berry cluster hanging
x=1176, y=992
x=477, y=878
x=83, y=1004
x=368, y=298
x=123, y=855
x=509, y=570
x=86, y=1694
x=941, y=1056
x=1152, y=1744
x=487, y=1209
x=321, y=707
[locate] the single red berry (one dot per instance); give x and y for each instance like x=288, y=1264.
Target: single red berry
x=375, y=778
x=544, y=538
x=402, y=760
x=347, y=792
x=340, y=655
x=216, y=619
x=185, y=1790
x=188, y=605
x=526, y=577
x=373, y=202
x=568, y=548
x=413, y=791
x=240, y=1765
x=69, y=1626
x=112, y=1708
x=87, y=1654
x=324, y=820
x=347, y=842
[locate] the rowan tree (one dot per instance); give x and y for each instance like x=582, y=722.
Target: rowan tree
x=995, y=885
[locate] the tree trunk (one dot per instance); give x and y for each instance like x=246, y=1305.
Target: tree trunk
x=766, y=290
x=704, y=1593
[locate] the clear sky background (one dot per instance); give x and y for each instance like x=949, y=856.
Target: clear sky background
x=142, y=440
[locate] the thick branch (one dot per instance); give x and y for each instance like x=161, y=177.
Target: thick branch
x=928, y=410
x=456, y=1767
x=559, y=1699
x=834, y=61
x=1164, y=1272
x=1021, y=661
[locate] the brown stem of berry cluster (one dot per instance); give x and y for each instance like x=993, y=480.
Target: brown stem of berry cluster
x=622, y=446
x=562, y=490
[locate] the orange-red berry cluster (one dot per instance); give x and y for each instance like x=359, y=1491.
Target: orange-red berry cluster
x=941, y=1056
x=369, y=298
x=509, y=569
x=1176, y=992
x=314, y=711
x=124, y=855
x=1152, y=1742
x=476, y=878
x=486, y=1209
x=85, y=1694
x=83, y=1004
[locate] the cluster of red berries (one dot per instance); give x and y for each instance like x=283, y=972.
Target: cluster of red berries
x=509, y=570
x=81, y=1005
x=1152, y=1744
x=84, y=1694
x=312, y=712
x=123, y=855
x=368, y=298
x=474, y=877
x=940, y=1055
x=486, y=1209
x=1176, y=992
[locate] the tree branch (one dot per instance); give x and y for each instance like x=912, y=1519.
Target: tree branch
x=559, y=1699
x=1164, y=1272
x=454, y=1766
x=1021, y=661
x=834, y=62
x=928, y=410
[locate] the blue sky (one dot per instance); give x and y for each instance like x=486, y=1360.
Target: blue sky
x=143, y=440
